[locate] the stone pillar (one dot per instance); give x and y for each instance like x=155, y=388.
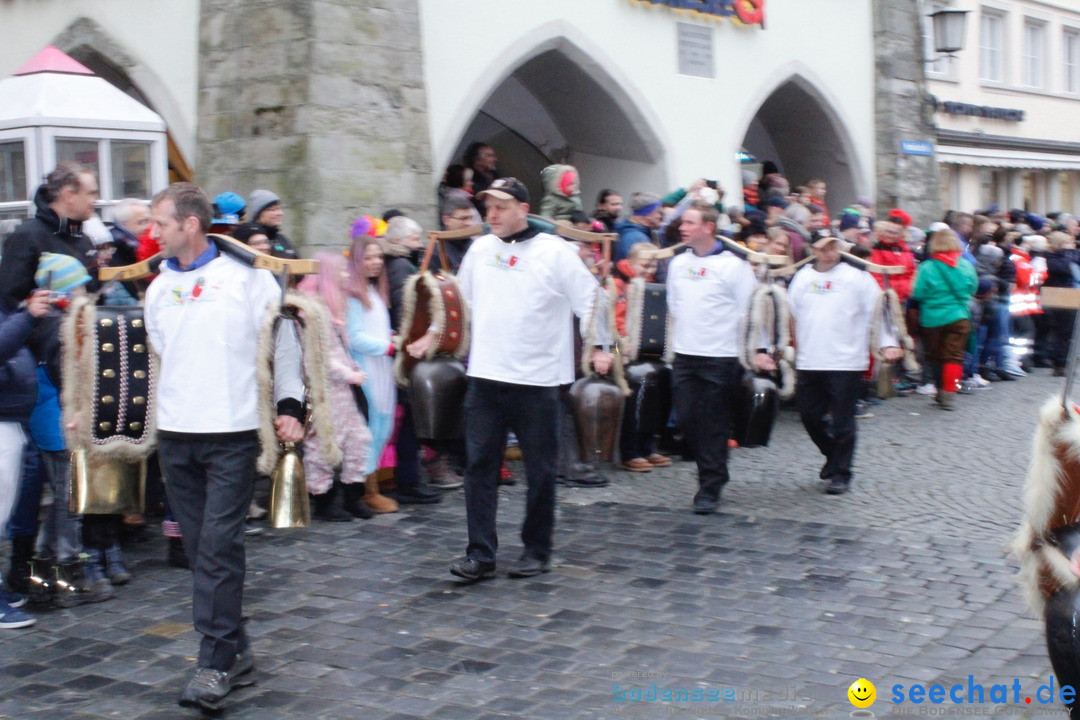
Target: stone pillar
x=902, y=113
x=1053, y=192
x=321, y=101
x=1074, y=180
x=1015, y=190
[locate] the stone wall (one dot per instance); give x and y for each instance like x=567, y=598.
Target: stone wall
x=321, y=101
x=910, y=182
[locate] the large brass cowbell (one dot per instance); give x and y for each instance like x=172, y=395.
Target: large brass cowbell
x=106, y=487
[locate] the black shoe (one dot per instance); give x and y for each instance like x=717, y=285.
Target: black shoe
x=241, y=673
x=1004, y=376
x=705, y=506
x=417, y=496
x=528, y=566
x=588, y=481
x=473, y=570
x=327, y=511
x=351, y=494
x=207, y=690
x=18, y=574
x=823, y=474
x=837, y=486
x=177, y=556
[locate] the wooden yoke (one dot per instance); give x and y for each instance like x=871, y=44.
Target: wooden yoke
x=850, y=259
x=731, y=246
x=440, y=236
x=227, y=245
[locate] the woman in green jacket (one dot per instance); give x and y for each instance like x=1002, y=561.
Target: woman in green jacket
x=944, y=284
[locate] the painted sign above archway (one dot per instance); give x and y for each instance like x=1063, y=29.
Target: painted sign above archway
x=746, y=12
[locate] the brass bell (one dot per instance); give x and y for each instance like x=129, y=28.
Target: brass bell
x=106, y=322
x=139, y=374
x=106, y=487
x=107, y=400
x=135, y=426
x=105, y=426
x=137, y=323
x=139, y=348
x=289, y=507
x=107, y=347
x=139, y=400
x=108, y=373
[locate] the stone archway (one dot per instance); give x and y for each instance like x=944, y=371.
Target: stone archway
x=90, y=44
x=798, y=129
x=559, y=104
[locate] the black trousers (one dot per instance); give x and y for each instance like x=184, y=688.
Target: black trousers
x=826, y=401
x=704, y=393
x=209, y=484
x=492, y=408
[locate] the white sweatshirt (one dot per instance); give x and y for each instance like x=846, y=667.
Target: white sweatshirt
x=205, y=325
x=708, y=297
x=833, y=311
x=521, y=296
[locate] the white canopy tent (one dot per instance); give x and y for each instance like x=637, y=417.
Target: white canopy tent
x=53, y=109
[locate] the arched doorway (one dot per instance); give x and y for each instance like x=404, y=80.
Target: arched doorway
x=796, y=128
x=561, y=105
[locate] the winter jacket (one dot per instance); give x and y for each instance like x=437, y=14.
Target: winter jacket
x=280, y=247
x=897, y=253
x=557, y=204
x=45, y=232
x=400, y=266
x=943, y=290
x=18, y=370
x=630, y=234
x=455, y=253
x=126, y=253
x=1060, y=271
x=622, y=277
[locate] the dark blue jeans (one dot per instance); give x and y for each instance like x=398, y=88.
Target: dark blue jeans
x=24, y=517
x=209, y=484
x=704, y=390
x=826, y=400
x=491, y=409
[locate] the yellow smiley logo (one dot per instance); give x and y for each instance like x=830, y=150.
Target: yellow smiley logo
x=862, y=693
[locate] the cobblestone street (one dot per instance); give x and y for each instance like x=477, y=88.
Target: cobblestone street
x=779, y=602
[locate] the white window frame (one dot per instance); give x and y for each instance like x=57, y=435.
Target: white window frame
x=938, y=66
x=990, y=58
x=1033, y=55
x=33, y=178
x=1070, y=40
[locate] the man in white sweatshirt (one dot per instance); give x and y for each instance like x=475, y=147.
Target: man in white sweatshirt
x=522, y=286
x=832, y=304
x=203, y=316
x=708, y=294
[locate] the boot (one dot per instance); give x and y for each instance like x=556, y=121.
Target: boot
x=18, y=575
x=946, y=400
x=376, y=501
x=41, y=585
x=94, y=572
x=177, y=556
x=351, y=493
x=326, y=510
x=77, y=584
x=114, y=566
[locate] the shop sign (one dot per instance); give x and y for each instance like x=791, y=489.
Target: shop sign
x=696, y=50
x=983, y=111
x=747, y=12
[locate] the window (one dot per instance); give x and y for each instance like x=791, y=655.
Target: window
x=991, y=47
x=130, y=169
x=84, y=152
x=1034, y=48
x=1072, y=62
x=939, y=65
x=12, y=172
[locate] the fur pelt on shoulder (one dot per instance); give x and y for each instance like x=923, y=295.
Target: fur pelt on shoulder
x=896, y=314
x=768, y=318
x=1049, y=494
x=436, y=310
x=79, y=390
x=313, y=328
x=604, y=311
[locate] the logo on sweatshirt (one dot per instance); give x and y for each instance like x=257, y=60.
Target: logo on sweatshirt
x=508, y=262
x=199, y=293
x=698, y=273
x=822, y=287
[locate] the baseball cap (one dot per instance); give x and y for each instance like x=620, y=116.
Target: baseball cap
x=824, y=241
x=507, y=188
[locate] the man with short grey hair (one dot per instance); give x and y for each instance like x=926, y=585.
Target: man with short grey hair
x=646, y=214
x=131, y=217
